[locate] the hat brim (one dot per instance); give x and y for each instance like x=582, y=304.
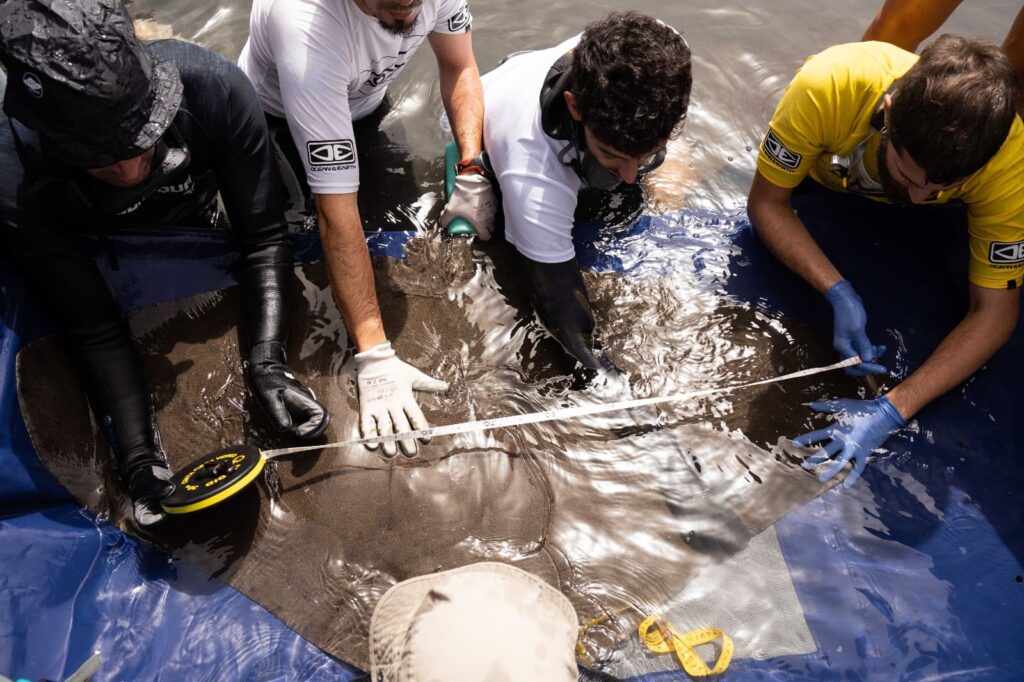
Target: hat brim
x=401, y=609
x=167, y=90
x=115, y=143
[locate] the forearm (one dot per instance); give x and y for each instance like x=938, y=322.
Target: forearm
x=1013, y=46
x=905, y=23
x=463, y=98
x=560, y=298
x=115, y=380
x=787, y=238
x=266, y=279
x=349, y=268
x=971, y=343
x=97, y=336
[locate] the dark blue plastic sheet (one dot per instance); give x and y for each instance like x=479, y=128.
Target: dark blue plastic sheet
x=72, y=584
x=915, y=573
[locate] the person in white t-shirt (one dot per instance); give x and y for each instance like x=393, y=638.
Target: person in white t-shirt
x=320, y=65
x=593, y=112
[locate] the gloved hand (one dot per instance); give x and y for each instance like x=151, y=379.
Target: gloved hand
x=147, y=485
x=861, y=427
x=386, y=403
x=290, y=406
x=560, y=298
x=473, y=198
x=848, y=334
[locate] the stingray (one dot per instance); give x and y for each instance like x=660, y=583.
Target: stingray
x=619, y=511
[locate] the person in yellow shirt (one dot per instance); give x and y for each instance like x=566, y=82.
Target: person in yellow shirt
x=875, y=120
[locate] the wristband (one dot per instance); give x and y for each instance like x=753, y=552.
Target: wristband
x=473, y=165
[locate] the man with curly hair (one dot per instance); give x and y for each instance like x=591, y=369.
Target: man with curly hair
x=593, y=112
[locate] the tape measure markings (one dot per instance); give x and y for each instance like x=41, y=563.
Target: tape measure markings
x=553, y=415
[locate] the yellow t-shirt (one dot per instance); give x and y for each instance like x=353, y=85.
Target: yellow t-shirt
x=827, y=110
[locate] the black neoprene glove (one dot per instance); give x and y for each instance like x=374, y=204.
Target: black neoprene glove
x=290, y=406
x=560, y=298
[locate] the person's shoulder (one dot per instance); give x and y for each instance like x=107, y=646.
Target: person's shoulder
x=195, y=63
x=1003, y=175
x=205, y=74
x=854, y=62
x=215, y=91
x=304, y=19
x=11, y=165
x=22, y=164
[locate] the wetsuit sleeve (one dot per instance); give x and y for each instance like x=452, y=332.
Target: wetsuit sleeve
x=247, y=177
x=453, y=16
x=70, y=284
x=560, y=298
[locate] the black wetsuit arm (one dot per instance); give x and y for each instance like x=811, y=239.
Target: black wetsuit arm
x=559, y=296
x=242, y=158
x=71, y=286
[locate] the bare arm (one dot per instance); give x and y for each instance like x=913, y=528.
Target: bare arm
x=989, y=322
x=1013, y=46
x=905, y=23
x=785, y=235
x=348, y=265
x=461, y=92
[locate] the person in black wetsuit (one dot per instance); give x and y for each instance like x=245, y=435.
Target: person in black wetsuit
x=101, y=131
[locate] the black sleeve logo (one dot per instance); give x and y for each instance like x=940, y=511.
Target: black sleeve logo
x=1006, y=253
x=779, y=153
x=461, y=22
x=330, y=152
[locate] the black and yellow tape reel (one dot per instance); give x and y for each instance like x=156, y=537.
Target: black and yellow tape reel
x=213, y=478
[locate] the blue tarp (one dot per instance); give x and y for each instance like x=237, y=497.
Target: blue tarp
x=915, y=573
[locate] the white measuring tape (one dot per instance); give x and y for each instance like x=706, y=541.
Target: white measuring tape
x=552, y=415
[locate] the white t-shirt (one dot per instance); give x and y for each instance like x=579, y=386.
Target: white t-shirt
x=538, y=191
x=321, y=64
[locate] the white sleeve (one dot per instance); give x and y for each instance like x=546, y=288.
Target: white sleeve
x=538, y=215
x=453, y=17
x=314, y=75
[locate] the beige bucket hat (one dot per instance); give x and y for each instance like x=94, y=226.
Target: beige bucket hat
x=485, y=622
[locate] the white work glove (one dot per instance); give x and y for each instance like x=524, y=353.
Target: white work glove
x=386, y=403
x=472, y=200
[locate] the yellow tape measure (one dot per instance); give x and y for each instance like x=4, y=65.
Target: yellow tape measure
x=659, y=636
x=215, y=477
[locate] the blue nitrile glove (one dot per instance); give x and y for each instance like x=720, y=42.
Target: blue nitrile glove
x=861, y=427
x=848, y=334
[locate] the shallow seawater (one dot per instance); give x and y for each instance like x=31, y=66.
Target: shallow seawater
x=619, y=510
x=623, y=509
